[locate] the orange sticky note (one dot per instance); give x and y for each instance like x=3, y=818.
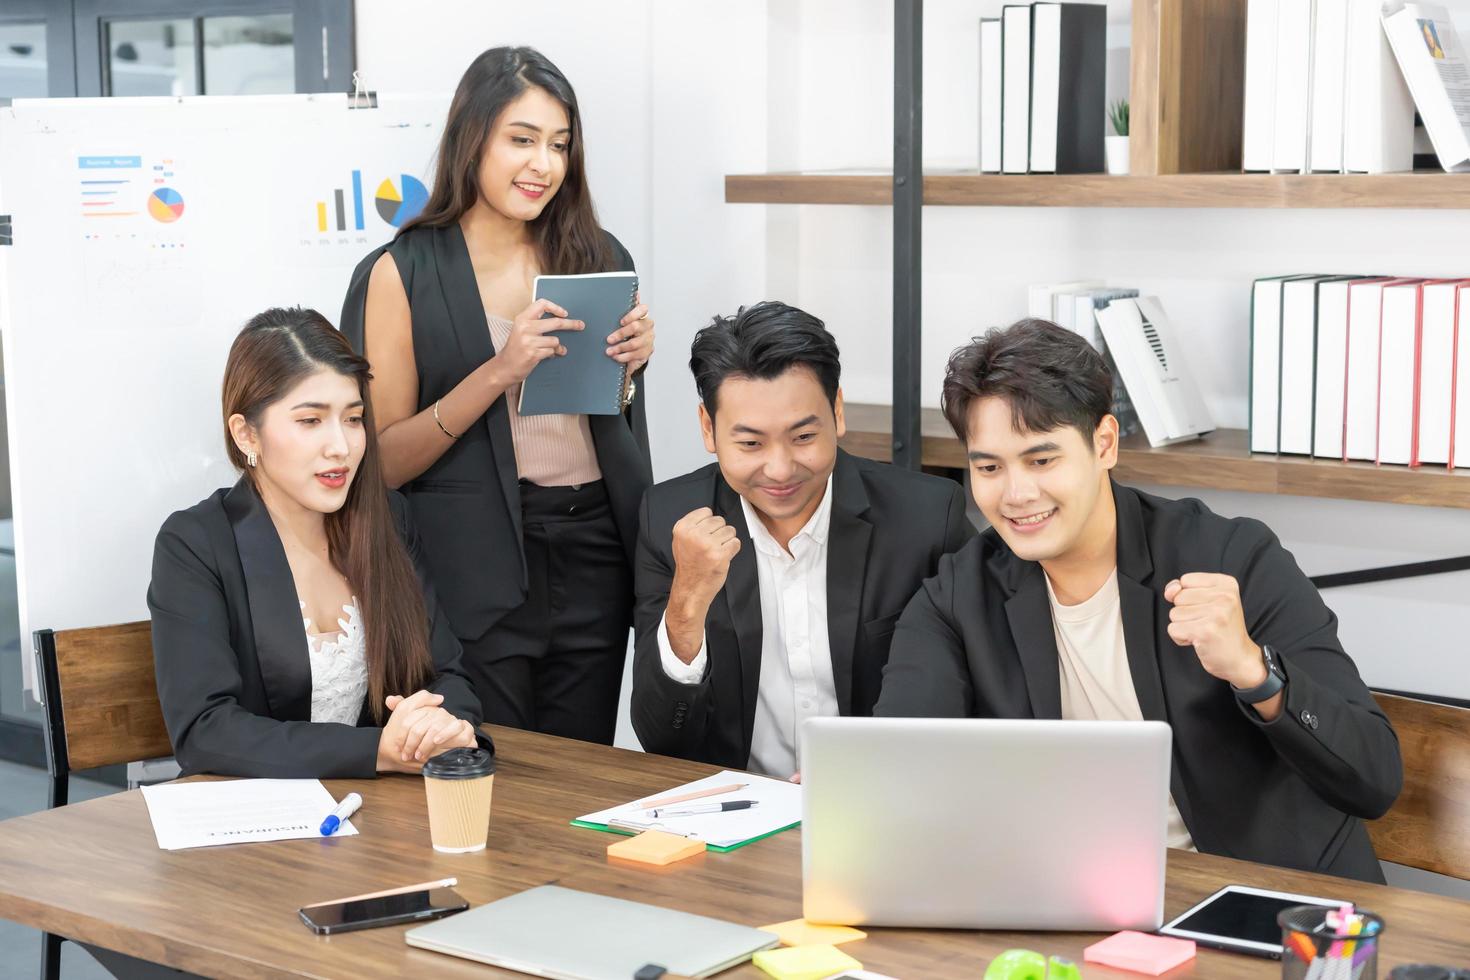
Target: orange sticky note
x=799, y=932
x=1140, y=952
x=655, y=847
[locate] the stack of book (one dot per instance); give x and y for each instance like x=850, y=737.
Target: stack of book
x=1370, y=368
x=1042, y=88
x=1152, y=386
x=1428, y=50
x=1323, y=92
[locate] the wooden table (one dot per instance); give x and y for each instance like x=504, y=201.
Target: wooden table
x=93, y=872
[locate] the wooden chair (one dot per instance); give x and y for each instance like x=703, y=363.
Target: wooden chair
x=1429, y=826
x=101, y=709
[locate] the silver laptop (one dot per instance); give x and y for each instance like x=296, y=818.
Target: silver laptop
x=570, y=935
x=946, y=823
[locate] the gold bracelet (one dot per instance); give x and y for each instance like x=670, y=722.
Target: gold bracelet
x=441, y=424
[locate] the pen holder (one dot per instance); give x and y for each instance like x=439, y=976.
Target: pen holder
x=1319, y=944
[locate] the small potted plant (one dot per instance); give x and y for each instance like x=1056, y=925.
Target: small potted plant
x=1117, y=144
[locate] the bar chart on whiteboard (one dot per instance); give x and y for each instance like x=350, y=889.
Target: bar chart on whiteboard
x=147, y=232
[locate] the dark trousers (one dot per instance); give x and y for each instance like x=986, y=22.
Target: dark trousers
x=555, y=664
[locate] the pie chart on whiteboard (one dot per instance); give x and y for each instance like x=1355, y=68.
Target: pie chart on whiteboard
x=165, y=204
x=399, y=203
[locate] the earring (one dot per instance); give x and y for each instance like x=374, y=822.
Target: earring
x=250, y=458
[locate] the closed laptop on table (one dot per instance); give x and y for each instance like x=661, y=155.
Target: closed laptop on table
x=571, y=935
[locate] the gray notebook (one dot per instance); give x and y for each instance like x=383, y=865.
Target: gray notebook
x=583, y=381
x=571, y=935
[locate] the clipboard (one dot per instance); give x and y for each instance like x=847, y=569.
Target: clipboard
x=779, y=810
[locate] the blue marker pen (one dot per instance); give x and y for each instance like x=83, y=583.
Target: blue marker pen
x=345, y=809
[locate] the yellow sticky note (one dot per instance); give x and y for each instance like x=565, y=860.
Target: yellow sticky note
x=804, y=962
x=799, y=932
x=655, y=847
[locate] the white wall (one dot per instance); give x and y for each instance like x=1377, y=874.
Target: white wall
x=672, y=100
x=677, y=95
x=978, y=261
x=603, y=49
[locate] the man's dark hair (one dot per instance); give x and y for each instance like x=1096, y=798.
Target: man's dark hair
x=1049, y=376
x=762, y=342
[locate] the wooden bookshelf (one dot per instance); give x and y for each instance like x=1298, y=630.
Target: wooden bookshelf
x=1220, y=460
x=1186, y=90
x=1420, y=189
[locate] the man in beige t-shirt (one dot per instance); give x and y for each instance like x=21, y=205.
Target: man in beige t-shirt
x=1092, y=659
x=1088, y=599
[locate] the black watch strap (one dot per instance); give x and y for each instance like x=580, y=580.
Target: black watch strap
x=1271, y=686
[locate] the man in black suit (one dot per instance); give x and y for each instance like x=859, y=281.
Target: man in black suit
x=768, y=584
x=1087, y=599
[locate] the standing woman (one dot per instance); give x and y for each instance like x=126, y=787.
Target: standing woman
x=529, y=523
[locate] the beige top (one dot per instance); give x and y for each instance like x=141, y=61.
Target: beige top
x=551, y=450
x=1092, y=658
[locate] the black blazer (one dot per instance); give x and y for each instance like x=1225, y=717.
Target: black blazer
x=229, y=649
x=468, y=504
x=889, y=527
x=977, y=642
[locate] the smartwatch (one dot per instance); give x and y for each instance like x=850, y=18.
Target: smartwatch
x=1271, y=686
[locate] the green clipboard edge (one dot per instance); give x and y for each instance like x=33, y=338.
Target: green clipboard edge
x=718, y=850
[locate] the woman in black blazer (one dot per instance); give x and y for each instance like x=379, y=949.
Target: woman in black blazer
x=309, y=535
x=529, y=523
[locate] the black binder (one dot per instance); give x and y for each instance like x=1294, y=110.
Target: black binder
x=584, y=381
x=1072, y=40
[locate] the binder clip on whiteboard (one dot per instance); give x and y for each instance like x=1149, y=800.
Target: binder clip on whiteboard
x=360, y=97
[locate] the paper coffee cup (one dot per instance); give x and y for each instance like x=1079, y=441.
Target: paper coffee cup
x=458, y=784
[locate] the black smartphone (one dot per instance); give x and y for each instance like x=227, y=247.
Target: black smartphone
x=388, y=910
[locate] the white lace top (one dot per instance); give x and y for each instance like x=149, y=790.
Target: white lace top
x=338, y=668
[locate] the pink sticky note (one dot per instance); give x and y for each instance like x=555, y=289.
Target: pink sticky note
x=1140, y=952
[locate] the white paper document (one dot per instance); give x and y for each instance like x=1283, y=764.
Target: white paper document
x=239, y=811
x=778, y=806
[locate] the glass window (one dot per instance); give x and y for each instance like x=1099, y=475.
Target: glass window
x=13, y=702
x=151, y=57
x=22, y=61
x=22, y=75
x=249, y=55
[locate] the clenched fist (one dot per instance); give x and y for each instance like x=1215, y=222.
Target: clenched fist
x=1207, y=615
x=703, y=548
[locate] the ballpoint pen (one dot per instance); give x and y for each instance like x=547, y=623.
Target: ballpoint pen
x=693, y=811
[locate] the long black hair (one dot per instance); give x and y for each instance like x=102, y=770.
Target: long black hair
x=271, y=355
x=568, y=238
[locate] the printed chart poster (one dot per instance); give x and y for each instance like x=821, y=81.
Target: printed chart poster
x=341, y=204
x=139, y=217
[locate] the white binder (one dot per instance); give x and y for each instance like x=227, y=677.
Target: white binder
x=1151, y=361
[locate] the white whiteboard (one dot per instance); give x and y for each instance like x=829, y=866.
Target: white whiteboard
x=146, y=231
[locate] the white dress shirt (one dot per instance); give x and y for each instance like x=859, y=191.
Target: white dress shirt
x=796, y=680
